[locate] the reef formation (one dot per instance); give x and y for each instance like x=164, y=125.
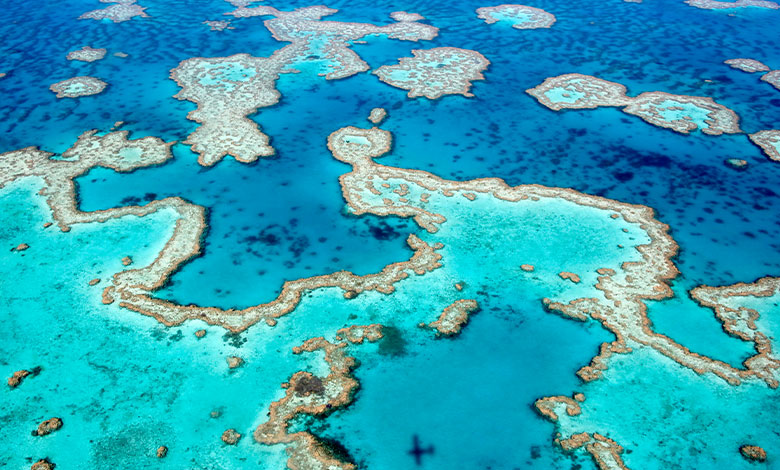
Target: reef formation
x=218, y=25
x=228, y=89
x=77, y=87
x=718, y=5
x=769, y=141
x=308, y=394
x=680, y=113
x=119, y=11
x=433, y=73
x=618, y=299
x=519, y=16
x=769, y=76
x=87, y=54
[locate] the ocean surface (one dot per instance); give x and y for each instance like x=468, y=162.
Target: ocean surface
x=125, y=384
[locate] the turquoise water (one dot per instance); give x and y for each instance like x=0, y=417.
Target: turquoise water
x=668, y=109
x=700, y=424
x=515, y=18
x=565, y=94
x=696, y=327
x=224, y=73
x=124, y=384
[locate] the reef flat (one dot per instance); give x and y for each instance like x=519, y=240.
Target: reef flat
x=117, y=12
x=433, y=73
x=228, y=89
x=677, y=112
x=78, y=86
x=519, y=16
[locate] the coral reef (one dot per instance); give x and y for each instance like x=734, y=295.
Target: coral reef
x=78, y=86
x=747, y=65
x=377, y=115
x=433, y=73
x=87, y=54
x=310, y=395
x=680, y=113
x=228, y=89
x=772, y=78
x=219, y=25
x=16, y=379
x=753, y=453
x=43, y=464
x=356, y=334
x=769, y=141
x=231, y=437
x=454, y=317
x=717, y=5
x=519, y=16
x=234, y=362
x=48, y=426
x=570, y=276
x=121, y=10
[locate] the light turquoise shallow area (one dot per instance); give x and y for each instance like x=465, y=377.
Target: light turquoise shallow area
x=696, y=327
x=672, y=418
x=75, y=88
x=775, y=143
x=122, y=383
x=131, y=154
x=484, y=388
x=688, y=112
x=564, y=94
x=134, y=384
x=768, y=308
x=512, y=17
x=316, y=60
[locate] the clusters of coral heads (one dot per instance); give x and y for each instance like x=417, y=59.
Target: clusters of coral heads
x=119, y=11
x=675, y=112
x=433, y=73
x=77, y=87
x=520, y=16
x=87, y=54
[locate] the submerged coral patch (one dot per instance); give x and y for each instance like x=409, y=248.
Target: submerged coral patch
x=228, y=89
x=577, y=91
x=718, y=5
x=78, y=86
x=219, y=25
x=747, y=65
x=433, y=73
x=518, y=16
x=87, y=54
x=680, y=113
x=772, y=78
x=769, y=141
x=119, y=11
